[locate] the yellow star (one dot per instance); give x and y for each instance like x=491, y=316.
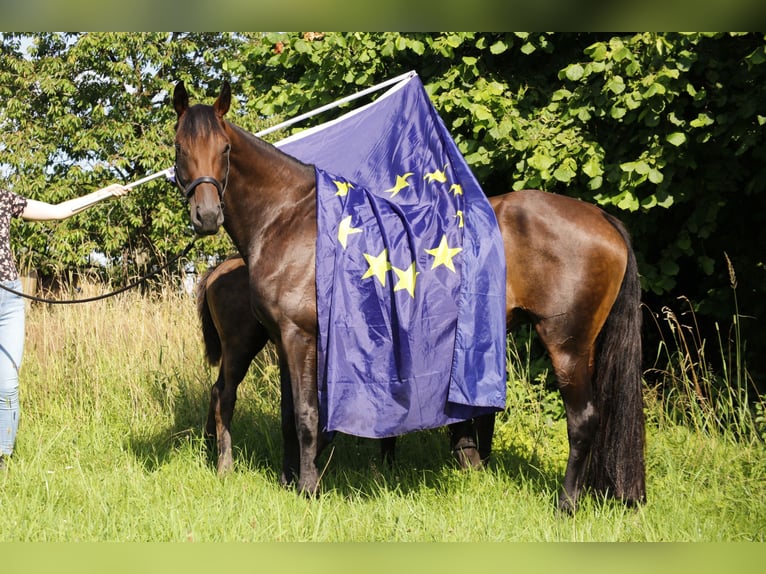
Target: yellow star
x=343, y=187
x=378, y=266
x=345, y=229
x=459, y=215
x=457, y=189
x=401, y=183
x=406, y=279
x=443, y=254
x=437, y=175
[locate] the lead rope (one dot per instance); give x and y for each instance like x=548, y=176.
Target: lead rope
x=105, y=295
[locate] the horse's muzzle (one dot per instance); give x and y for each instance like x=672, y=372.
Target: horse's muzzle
x=207, y=220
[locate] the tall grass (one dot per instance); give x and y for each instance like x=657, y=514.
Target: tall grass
x=723, y=401
x=114, y=398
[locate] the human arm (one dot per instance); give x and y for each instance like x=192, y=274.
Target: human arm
x=42, y=211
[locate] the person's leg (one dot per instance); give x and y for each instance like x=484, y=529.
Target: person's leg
x=11, y=350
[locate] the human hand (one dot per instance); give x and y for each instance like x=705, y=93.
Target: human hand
x=115, y=190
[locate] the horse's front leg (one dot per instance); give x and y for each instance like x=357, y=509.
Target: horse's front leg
x=471, y=441
x=463, y=444
x=485, y=430
x=388, y=450
x=290, y=451
x=300, y=353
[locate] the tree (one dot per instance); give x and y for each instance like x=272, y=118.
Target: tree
x=81, y=111
x=663, y=130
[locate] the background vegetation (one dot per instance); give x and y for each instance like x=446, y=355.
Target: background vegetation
x=114, y=397
x=665, y=130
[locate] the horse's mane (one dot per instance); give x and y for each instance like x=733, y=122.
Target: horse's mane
x=198, y=120
x=264, y=146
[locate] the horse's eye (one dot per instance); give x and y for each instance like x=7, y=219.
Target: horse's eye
x=227, y=149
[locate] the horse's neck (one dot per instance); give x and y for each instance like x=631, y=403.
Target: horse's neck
x=277, y=176
x=264, y=185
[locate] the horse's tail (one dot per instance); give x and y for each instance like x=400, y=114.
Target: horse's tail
x=617, y=465
x=210, y=335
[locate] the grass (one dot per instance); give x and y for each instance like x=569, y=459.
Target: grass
x=114, y=396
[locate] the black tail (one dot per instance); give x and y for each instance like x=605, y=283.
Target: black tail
x=209, y=333
x=617, y=465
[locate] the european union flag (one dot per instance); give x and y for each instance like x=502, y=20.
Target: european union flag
x=410, y=271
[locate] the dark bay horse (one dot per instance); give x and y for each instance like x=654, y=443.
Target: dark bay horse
x=232, y=336
x=571, y=272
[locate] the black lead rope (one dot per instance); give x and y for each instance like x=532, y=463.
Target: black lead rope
x=105, y=295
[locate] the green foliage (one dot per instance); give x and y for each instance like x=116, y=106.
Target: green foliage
x=722, y=401
x=81, y=111
x=664, y=130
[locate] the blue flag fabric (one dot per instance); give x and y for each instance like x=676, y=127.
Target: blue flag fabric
x=410, y=272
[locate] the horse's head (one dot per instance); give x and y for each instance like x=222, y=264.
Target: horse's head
x=202, y=157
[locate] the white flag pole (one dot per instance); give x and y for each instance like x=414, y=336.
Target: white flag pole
x=169, y=172
x=336, y=103
x=166, y=172
x=95, y=198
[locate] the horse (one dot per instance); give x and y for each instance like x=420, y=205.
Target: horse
x=232, y=337
x=571, y=273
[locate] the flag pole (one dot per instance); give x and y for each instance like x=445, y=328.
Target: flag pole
x=337, y=103
x=169, y=172
x=93, y=199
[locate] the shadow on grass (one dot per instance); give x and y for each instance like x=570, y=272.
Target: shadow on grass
x=423, y=462
x=350, y=466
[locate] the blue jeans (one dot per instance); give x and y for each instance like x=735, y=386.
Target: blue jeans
x=11, y=348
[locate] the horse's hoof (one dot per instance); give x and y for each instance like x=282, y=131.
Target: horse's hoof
x=309, y=495
x=566, y=505
x=308, y=488
x=287, y=480
x=309, y=491
x=467, y=458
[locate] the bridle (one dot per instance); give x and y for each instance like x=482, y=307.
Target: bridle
x=189, y=190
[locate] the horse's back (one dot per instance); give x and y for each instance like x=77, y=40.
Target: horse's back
x=563, y=255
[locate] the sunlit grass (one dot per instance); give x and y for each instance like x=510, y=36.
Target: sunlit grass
x=115, y=394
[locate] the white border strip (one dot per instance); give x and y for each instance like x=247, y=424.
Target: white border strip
x=399, y=79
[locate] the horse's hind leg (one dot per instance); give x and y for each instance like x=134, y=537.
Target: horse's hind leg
x=210, y=425
x=213, y=427
x=224, y=413
x=574, y=377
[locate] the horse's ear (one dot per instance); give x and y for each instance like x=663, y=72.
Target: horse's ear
x=180, y=98
x=223, y=101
